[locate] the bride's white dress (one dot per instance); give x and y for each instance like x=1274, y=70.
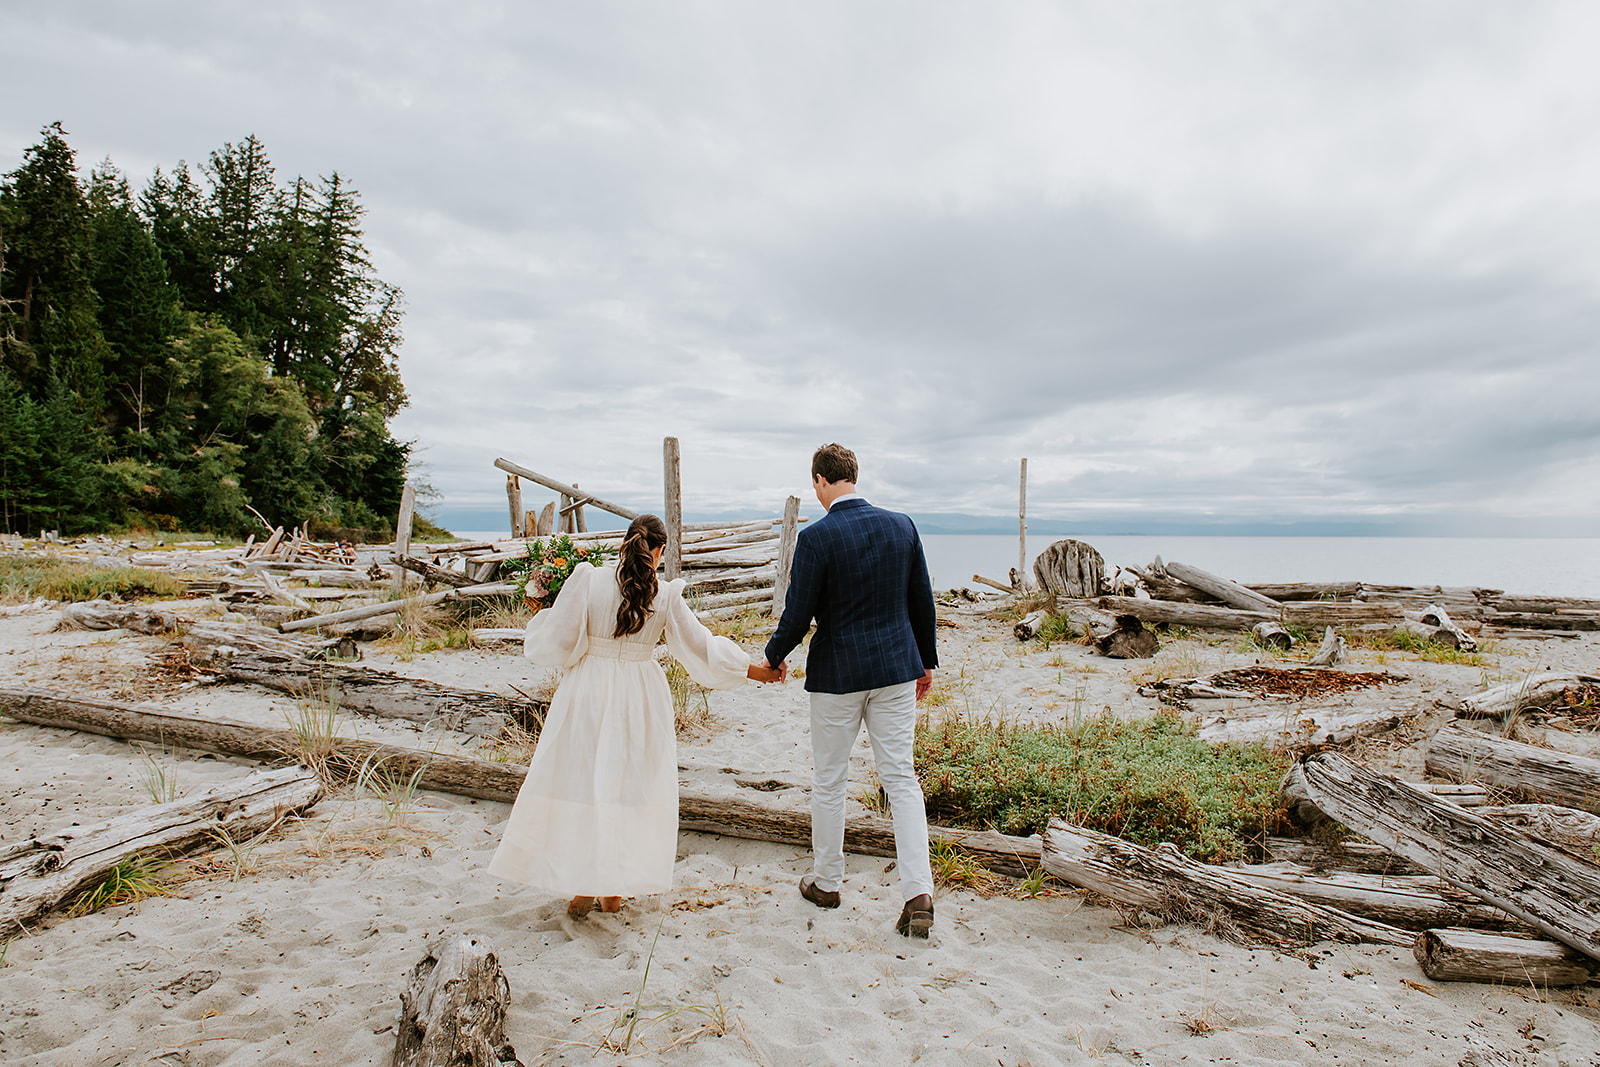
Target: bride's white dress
x=598, y=812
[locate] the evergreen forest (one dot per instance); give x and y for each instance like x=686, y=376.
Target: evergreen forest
x=213, y=347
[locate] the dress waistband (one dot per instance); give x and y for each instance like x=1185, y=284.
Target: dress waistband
x=622, y=648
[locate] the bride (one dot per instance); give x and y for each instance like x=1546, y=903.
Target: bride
x=597, y=815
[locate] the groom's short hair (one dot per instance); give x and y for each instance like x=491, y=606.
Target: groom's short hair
x=835, y=463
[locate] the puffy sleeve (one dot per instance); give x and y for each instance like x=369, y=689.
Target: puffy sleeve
x=715, y=662
x=558, y=636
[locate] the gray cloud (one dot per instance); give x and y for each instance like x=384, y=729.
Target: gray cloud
x=1227, y=262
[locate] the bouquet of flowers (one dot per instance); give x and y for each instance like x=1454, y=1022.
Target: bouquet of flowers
x=541, y=572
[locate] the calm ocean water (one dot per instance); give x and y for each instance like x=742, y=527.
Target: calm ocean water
x=1552, y=566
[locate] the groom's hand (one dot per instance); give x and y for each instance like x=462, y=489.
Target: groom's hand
x=924, y=683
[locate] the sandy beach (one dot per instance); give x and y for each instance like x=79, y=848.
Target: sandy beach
x=296, y=952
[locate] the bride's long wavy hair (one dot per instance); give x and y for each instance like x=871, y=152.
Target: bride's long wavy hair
x=636, y=573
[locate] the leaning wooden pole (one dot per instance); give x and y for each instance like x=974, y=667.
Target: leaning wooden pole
x=402, y=533
x=672, y=558
x=562, y=487
x=1022, y=526
x=786, y=543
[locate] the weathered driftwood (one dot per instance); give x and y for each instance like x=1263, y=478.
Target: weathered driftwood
x=1453, y=955
x=735, y=599
x=1128, y=639
x=1271, y=635
x=1448, y=631
x=1342, y=854
x=1568, y=829
x=213, y=640
x=1411, y=902
x=1030, y=624
x=1301, y=728
x=453, y=1009
x=1085, y=618
x=1561, y=620
x=484, y=779
x=104, y=615
x=393, y=606
x=991, y=583
x=384, y=693
x=1540, y=885
x=1284, y=591
x=672, y=556
x=1525, y=771
x=726, y=580
x=1535, y=691
x=433, y=573
x=1586, y=744
x=1302, y=806
x=565, y=489
x=402, y=532
x=1176, y=614
x=1330, y=652
x=753, y=537
x=514, y=503
x=1168, y=884
x=1224, y=589
x=279, y=595
x=1070, y=568
x=39, y=874
x=1161, y=586
x=1308, y=613
x=1544, y=604
x=788, y=537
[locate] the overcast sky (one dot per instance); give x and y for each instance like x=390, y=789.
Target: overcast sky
x=1219, y=262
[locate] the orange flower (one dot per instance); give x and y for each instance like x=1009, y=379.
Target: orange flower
x=559, y=562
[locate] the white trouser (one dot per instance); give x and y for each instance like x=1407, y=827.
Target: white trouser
x=890, y=714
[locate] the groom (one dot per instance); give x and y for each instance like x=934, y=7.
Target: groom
x=860, y=573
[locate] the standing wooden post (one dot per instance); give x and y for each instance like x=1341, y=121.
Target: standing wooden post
x=791, y=533
x=547, y=520
x=577, y=514
x=402, y=533
x=1022, y=528
x=530, y=524
x=514, y=498
x=673, y=556
x=566, y=514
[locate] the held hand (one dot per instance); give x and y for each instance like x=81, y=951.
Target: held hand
x=759, y=672
x=924, y=683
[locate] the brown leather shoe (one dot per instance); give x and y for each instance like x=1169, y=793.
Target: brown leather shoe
x=916, y=918
x=822, y=898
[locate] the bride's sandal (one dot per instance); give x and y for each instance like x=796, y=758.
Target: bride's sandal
x=580, y=906
x=610, y=905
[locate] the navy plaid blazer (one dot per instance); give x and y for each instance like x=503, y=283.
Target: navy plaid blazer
x=860, y=573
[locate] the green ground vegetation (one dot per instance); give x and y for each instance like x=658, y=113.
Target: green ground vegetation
x=24, y=578
x=1148, y=780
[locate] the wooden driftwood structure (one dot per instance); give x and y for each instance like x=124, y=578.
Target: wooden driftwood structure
x=39, y=874
x=1519, y=874
x=453, y=1009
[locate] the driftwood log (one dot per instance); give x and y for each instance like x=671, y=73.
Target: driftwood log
x=1535, y=691
x=1453, y=955
x=453, y=1009
x=1519, y=874
x=1030, y=624
x=1330, y=652
x=1070, y=568
x=1411, y=902
x=1586, y=744
x=1577, y=832
x=104, y=615
x=483, y=779
x=1224, y=589
x=1526, y=771
x=219, y=640
x=383, y=693
x=1348, y=854
x=1295, y=795
x=39, y=874
x=1446, y=630
x=432, y=572
x=1128, y=639
x=1169, y=885
x=1197, y=616
x=1271, y=635
x=390, y=607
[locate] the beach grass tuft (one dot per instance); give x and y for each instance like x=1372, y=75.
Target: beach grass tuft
x=1148, y=780
x=135, y=878
x=28, y=577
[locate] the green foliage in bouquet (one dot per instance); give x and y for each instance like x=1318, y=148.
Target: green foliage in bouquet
x=541, y=572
